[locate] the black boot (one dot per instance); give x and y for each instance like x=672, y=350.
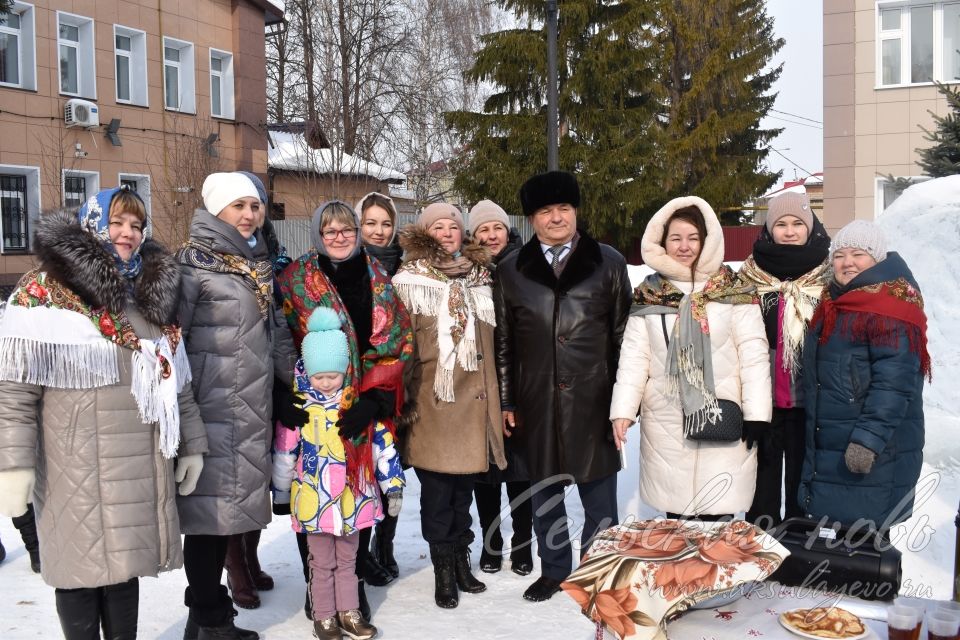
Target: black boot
x=364, y=603
x=3, y=552
x=487, y=499
x=27, y=525
x=446, y=594
x=119, y=606
x=368, y=569
x=465, y=579
x=216, y=622
x=79, y=612
x=382, y=546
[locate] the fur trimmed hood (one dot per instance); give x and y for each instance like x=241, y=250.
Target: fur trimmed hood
x=711, y=252
x=79, y=261
x=418, y=244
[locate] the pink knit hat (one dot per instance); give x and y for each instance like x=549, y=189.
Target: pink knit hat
x=440, y=211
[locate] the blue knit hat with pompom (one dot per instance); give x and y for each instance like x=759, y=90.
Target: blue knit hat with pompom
x=324, y=347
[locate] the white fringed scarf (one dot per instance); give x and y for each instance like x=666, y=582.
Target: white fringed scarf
x=456, y=303
x=56, y=347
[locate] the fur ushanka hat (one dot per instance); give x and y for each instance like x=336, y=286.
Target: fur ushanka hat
x=552, y=187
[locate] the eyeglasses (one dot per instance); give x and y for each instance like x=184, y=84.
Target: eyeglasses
x=348, y=234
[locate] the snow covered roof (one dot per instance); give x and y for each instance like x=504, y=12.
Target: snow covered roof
x=290, y=152
x=796, y=186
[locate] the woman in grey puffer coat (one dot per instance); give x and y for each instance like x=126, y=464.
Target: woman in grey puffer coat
x=90, y=417
x=226, y=312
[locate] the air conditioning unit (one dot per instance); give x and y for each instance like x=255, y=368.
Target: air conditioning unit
x=81, y=113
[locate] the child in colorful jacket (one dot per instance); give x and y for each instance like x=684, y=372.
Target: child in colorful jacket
x=328, y=480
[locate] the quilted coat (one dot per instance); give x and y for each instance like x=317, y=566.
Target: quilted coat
x=867, y=393
x=310, y=471
x=558, y=343
x=457, y=437
x=674, y=469
x=104, y=495
x=231, y=351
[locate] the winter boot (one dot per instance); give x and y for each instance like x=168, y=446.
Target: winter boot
x=521, y=559
x=79, y=612
x=355, y=625
x=364, y=603
x=3, y=552
x=261, y=580
x=27, y=525
x=382, y=546
x=368, y=569
x=239, y=581
x=465, y=579
x=445, y=594
x=227, y=632
x=119, y=607
x=327, y=629
x=192, y=630
x=214, y=620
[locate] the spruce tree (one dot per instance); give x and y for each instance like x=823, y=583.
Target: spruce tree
x=943, y=158
x=606, y=111
x=658, y=98
x=717, y=89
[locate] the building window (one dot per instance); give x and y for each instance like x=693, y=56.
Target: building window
x=19, y=206
x=139, y=184
x=78, y=186
x=17, y=47
x=918, y=42
x=78, y=75
x=221, y=84
x=178, y=78
x=130, y=58
x=887, y=190
x=13, y=212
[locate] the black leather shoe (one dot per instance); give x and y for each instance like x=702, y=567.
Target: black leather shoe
x=490, y=563
x=542, y=590
x=373, y=573
x=521, y=561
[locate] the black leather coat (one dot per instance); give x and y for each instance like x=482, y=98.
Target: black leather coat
x=558, y=343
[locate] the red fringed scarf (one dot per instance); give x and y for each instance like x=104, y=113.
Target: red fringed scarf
x=877, y=314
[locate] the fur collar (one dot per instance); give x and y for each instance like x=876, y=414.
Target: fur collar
x=584, y=260
x=77, y=260
x=418, y=244
x=655, y=256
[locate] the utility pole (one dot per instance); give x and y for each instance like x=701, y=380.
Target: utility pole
x=553, y=117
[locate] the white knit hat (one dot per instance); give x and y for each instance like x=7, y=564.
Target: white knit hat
x=220, y=189
x=486, y=211
x=861, y=234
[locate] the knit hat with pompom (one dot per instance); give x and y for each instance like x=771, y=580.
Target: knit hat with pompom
x=324, y=348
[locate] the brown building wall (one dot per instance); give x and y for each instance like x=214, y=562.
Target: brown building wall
x=301, y=195
x=155, y=141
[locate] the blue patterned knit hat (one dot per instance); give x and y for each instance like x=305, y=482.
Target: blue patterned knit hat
x=324, y=348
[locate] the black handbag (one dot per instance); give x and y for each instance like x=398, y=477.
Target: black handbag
x=853, y=561
x=728, y=427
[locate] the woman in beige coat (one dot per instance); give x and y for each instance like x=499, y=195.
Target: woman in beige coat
x=90, y=369
x=717, y=351
x=455, y=430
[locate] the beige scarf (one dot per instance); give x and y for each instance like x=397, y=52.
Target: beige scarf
x=800, y=299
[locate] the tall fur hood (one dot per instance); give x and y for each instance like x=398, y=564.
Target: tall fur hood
x=418, y=244
x=79, y=261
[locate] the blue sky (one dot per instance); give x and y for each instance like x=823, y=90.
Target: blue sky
x=800, y=88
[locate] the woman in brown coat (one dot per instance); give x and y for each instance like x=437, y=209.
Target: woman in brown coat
x=455, y=420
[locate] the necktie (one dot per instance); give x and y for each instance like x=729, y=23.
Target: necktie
x=555, y=263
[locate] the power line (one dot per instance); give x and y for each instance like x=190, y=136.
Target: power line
x=793, y=115
x=777, y=151
x=799, y=124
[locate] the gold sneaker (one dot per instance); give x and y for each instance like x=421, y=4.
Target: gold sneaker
x=327, y=629
x=354, y=625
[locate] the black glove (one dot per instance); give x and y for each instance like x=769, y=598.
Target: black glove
x=287, y=407
x=281, y=508
x=753, y=432
x=373, y=404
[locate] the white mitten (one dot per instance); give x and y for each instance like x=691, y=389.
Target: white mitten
x=188, y=472
x=16, y=490
x=394, y=502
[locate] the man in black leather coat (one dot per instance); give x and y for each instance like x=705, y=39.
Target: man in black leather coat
x=562, y=303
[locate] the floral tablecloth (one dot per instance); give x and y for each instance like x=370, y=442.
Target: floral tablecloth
x=638, y=575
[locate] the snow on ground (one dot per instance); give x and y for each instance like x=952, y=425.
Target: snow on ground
x=923, y=225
